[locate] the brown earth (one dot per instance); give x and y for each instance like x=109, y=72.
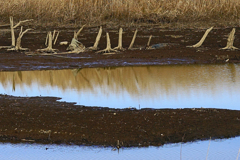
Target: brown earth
x=44, y=120
x=175, y=53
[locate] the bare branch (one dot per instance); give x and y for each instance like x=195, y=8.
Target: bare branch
x=79, y=31
x=20, y=22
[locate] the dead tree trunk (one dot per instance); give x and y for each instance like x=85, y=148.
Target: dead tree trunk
x=95, y=46
x=75, y=46
x=119, y=47
x=133, y=40
x=18, y=46
x=230, y=41
x=49, y=42
x=108, y=48
x=202, y=39
x=12, y=27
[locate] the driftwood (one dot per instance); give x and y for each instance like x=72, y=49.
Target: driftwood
x=230, y=41
x=95, y=46
x=49, y=42
x=108, y=49
x=119, y=47
x=202, y=39
x=133, y=40
x=12, y=27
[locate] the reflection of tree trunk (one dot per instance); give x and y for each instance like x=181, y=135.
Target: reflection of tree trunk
x=233, y=72
x=20, y=75
x=13, y=83
x=99, y=76
x=51, y=78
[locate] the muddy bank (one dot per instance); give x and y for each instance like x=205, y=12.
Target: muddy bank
x=45, y=120
x=175, y=52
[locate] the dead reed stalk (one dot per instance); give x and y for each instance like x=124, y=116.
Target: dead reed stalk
x=98, y=11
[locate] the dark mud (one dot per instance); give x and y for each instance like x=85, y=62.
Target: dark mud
x=175, y=53
x=45, y=120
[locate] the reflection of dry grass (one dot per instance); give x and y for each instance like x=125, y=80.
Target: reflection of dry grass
x=135, y=80
x=92, y=11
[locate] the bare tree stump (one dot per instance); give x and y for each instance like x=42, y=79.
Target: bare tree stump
x=18, y=46
x=75, y=46
x=119, y=47
x=202, y=39
x=230, y=41
x=108, y=48
x=95, y=46
x=133, y=40
x=49, y=41
x=12, y=27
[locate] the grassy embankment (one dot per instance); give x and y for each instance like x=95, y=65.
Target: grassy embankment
x=95, y=12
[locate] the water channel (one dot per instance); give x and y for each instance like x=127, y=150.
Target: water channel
x=179, y=86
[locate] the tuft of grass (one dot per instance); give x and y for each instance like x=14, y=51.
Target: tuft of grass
x=124, y=11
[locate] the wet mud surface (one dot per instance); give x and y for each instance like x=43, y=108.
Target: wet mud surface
x=175, y=52
x=45, y=120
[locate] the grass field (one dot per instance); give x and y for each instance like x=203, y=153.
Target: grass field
x=94, y=12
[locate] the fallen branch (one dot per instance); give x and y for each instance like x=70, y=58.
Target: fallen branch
x=202, y=39
x=230, y=41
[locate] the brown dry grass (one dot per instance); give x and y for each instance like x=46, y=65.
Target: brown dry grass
x=121, y=11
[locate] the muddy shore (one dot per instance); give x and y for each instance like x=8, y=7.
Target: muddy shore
x=45, y=120
x=175, y=52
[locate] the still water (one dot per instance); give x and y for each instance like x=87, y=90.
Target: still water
x=180, y=86
x=218, y=150
x=185, y=86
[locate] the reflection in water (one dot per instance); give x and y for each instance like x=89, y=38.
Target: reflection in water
x=218, y=149
x=215, y=86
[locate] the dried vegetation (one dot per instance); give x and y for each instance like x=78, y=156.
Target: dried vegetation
x=67, y=12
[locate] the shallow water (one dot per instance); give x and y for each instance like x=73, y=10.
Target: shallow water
x=218, y=149
x=179, y=86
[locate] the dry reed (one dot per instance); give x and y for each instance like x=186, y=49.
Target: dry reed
x=127, y=11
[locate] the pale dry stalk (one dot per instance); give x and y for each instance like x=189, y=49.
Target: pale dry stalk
x=49, y=40
x=95, y=46
x=18, y=46
x=230, y=41
x=119, y=47
x=202, y=39
x=108, y=48
x=133, y=40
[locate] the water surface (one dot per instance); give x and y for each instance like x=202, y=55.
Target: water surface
x=218, y=149
x=179, y=86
